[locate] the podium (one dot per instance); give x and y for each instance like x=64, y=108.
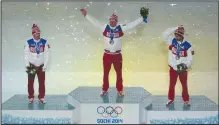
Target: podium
x=201, y=111
x=85, y=105
x=17, y=110
x=91, y=108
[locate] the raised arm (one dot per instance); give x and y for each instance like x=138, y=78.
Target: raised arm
x=168, y=35
x=144, y=16
x=26, y=55
x=132, y=25
x=92, y=20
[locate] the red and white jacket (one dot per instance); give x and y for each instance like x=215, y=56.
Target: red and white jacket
x=118, y=34
x=31, y=55
x=186, y=51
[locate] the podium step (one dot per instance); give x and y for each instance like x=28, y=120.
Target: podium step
x=201, y=111
x=198, y=103
x=17, y=110
x=86, y=103
x=85, y=94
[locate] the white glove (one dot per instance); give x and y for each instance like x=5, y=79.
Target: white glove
x=44, y=68
x=175, y=68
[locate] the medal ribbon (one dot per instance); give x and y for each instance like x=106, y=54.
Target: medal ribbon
x=37, y=46
x=178, y=50
x=111, y=34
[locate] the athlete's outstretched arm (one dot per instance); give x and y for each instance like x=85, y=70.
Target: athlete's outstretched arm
x=92, y=20
x=132, y=25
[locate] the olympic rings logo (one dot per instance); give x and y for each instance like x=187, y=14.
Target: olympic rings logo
x=109, y=111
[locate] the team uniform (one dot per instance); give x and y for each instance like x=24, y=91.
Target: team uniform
x=112, y=49
x=179, y=52
x=36, y=53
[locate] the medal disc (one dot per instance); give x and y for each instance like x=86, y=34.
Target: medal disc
x=177, y=57
x=111, y=42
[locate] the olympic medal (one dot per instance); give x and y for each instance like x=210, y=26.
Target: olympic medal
x=111, y=42
x=177, y=57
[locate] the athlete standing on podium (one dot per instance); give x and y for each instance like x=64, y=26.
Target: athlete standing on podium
x=113, y=32
x=180, y=58
x=36, y=55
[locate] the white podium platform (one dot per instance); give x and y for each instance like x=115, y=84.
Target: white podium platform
x=84, y=105
x=91, y=108
x=201, y=111
x=17, y=110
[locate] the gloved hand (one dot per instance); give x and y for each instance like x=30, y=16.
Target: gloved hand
x=145, y=20
x=175, y=68
x=83, y=11
x=44, y=68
